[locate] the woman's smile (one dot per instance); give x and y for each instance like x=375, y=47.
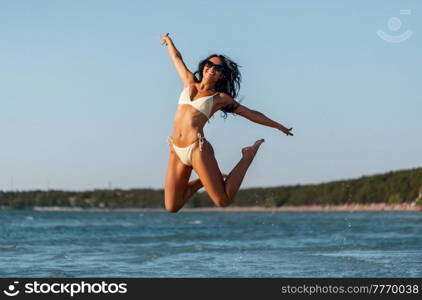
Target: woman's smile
x=210, y=72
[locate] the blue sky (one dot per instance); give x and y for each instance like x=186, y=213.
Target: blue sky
x=88, y=94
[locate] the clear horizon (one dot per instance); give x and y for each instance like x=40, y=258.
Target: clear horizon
x=88, y=93
x=110, y=187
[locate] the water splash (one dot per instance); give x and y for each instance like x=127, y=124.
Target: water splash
x=195, y=222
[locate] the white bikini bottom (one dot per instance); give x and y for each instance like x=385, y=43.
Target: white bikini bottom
x=185, y=153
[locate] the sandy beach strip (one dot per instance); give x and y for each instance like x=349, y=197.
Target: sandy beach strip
x=318, y=208
x=286, y=208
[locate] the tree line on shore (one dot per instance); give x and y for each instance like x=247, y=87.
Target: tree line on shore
x=393, y=187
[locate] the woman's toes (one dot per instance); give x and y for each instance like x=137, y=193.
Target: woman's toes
x=258, y=143
x=251, y=150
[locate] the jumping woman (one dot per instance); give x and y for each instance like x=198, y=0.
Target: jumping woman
x=214, y=88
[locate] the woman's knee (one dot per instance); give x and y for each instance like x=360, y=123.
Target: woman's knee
x=221, y=201
x=172, y=208
x=170, y=204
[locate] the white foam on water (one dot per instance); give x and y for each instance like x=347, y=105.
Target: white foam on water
x=195, y=222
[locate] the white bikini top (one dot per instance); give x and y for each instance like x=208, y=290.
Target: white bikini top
x=203, y=104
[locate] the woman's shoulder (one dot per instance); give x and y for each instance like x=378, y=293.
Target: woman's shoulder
x=189, y=83
x=225, y=101
x=225, y=98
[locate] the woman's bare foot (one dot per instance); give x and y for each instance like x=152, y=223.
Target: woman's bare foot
x=249, y=152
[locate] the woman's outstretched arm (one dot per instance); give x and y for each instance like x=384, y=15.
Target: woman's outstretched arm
x=260, y=118
x=186, y=75
x=256, y=116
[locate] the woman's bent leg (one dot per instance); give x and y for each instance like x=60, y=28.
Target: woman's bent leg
x=205, y=165
x=176, y=183
x=192, y=187
x=176, y=191
x=195, y=185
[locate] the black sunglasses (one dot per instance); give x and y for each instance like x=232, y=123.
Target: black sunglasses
x=210, y=64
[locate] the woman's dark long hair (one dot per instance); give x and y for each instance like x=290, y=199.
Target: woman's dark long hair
x=229, y=83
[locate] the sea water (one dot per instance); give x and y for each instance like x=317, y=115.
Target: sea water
x=210, y=244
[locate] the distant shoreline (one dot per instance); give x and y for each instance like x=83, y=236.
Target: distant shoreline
x=304, y=208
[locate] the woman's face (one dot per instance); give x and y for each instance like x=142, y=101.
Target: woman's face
x=211, y=72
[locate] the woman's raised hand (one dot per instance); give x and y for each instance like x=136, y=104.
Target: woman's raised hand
x=165, y=38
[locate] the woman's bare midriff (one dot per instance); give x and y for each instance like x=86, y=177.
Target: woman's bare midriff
x=187, y=123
